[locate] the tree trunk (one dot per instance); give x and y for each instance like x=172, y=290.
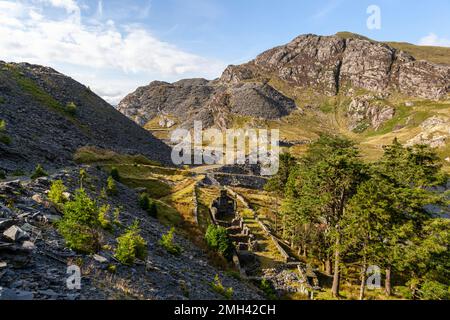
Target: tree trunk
x=305, y=250
x=363, y=280
x=387, y=283
x=336, y=275
x=328, y=266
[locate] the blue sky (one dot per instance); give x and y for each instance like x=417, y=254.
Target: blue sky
x=114, y=46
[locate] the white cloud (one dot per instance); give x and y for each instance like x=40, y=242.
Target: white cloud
x=433, y=40
x=67, y=42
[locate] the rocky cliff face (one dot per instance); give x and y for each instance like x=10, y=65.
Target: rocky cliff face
x=365, y=111
x=435, y=132
x=208, y=101
x=48, y=116
x=327, y=65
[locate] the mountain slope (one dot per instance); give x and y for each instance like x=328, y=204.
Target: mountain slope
x=209, y=101
x=346, y=83
x=439, y=55
x=48, y=116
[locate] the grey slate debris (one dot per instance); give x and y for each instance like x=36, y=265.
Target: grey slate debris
x=36, y=268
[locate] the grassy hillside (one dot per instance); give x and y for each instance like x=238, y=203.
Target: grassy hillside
x=439, y=55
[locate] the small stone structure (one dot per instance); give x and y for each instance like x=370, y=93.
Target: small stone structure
x=224, y=205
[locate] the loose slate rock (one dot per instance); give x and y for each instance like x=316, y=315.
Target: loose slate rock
x=100, y=258
x=9, y=294
x=28, y=245
x=14, y=233
x=5, y=223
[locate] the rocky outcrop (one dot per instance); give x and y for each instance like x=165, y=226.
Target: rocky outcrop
x=201, y=100
x=366, y=111
x=435, y=132
x=180, y=98
x=330, y=62
x=42, y=129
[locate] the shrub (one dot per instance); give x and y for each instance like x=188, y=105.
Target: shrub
x=112, y=268
x=39, y=172
x=148, y=205
x=103, y=194
x=83, y=177
x=103, y=219
x=153, y=209
x=218, y=287
x=144, y=201
x=114, y=173
x=268, y=289
x=79, y=225
x=56, y=193
x=71, y=108
x=2, y=174
x=5, y=139
x=217, y=238
x=433, y=290
x=131, y=245
x=168, y=243
x=111, y=187
x=116, y=215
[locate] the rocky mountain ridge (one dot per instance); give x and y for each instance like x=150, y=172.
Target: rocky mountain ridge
x=331, y=62
x=326, y=65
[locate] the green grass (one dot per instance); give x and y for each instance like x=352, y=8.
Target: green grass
x=218, y=287
x=168, y=215
x=155, y=188
x=351, y=35
x=30, y=87
x=400, y=118
x=440, y=55
x=91, y=155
